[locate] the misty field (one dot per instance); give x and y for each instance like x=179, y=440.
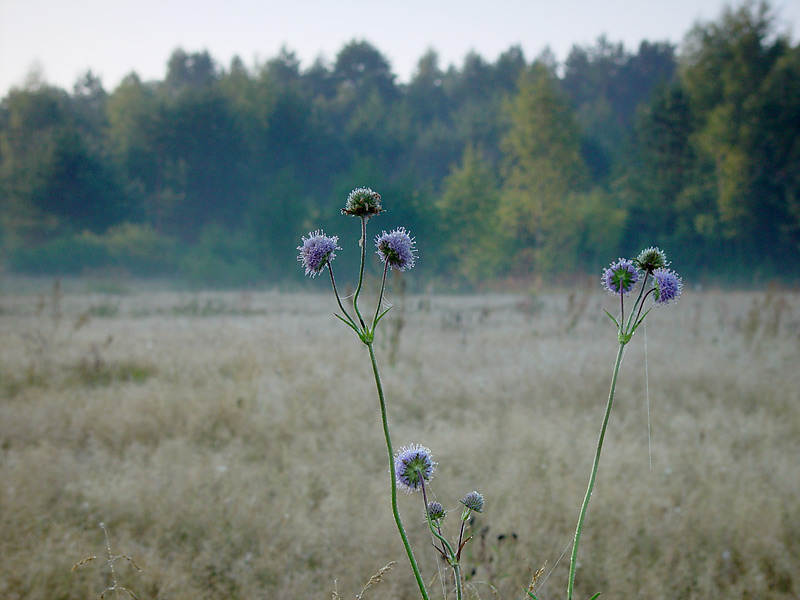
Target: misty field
x=231, y=444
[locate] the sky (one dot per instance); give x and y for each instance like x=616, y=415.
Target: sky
x=62, y=39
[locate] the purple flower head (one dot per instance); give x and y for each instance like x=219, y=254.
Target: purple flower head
x=396, y=249
x=317, y=251
x=620, y=277
x=362, y=202
x=413, y=465
x=668, y=286
x=473, y=501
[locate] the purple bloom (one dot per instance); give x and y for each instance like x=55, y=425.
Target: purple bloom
x=413, y=465
x=396, y=249
x=473, y=501
x=317, y=251
x=668, y=286
x=620, y=277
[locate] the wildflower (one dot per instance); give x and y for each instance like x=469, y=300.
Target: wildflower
x=435, y=510
x=317, y=251
x=413, y=465
x=668, y=286
x=650, y=259
x=362, y=202
x=473, y=501
x=396, y=249
x=620, y=277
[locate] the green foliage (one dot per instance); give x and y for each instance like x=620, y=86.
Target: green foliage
x=695, y=149
x=68, y=255
x=543, y=170
x=140, y=249
x=127, y=248
x=600, y=224
x=607, y=84
x=469, y=219
x=222, y=257
x=713, y=174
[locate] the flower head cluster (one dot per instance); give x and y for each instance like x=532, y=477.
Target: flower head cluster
x=413, y=465
x=362, y=202
x=396, y=249
x=650, y=259
x=668, y=286
x=473, y=501
x=435, y=511
x=317, y=251
x=620, y=277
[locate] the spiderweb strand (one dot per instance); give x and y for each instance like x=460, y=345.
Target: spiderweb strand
x=553, y=568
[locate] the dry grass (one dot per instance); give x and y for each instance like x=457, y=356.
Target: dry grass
x=232, y=445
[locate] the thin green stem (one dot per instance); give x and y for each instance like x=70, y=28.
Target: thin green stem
x=395, y=511
x=574, y=557
x=639, y=303
x=457, y=575
x=450, y=554
x=380, y=296
x=438, y=531
x=363, y=244
x=338, y=300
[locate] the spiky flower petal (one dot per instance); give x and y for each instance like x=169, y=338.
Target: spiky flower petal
x=620, y=277
x=396, y=249
x=317, y=251
x=413, y=465
x=473, y=501
x=362, y=202
x=650, y=259
x=668, y=286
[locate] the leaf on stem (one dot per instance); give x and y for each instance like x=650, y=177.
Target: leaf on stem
x=612, y=318
x=348, y=323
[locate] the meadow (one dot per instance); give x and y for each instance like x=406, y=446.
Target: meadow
x=230, y=442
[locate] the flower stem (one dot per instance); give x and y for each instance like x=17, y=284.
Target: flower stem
x=574, y=557
x=380, y=296
x=363, y=244
x=395, y=511
x=339, y=301
x=447, y=549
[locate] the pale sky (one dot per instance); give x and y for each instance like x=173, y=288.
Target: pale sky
x=65, y=38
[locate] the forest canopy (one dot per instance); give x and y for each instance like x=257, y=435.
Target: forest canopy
x=513, y=169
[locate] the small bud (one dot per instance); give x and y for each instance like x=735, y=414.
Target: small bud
x=668, y=286
x=620, y=277
x=651, y=259
x=435, y=510
x=473, y=501
x=317, y=251
x=362, y=202
x=396, y=249
x=413, y=465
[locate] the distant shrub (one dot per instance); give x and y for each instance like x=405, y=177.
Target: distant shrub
x=140, y=249
x=222, y=258
x=129, y=248
x=69, y=255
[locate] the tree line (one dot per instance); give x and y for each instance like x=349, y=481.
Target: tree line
x=505, y=169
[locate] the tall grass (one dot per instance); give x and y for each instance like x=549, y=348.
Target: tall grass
x=221, y=469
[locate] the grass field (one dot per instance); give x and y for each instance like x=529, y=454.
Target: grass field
x=231, y=444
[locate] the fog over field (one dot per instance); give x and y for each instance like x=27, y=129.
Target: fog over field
x=231, y=444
